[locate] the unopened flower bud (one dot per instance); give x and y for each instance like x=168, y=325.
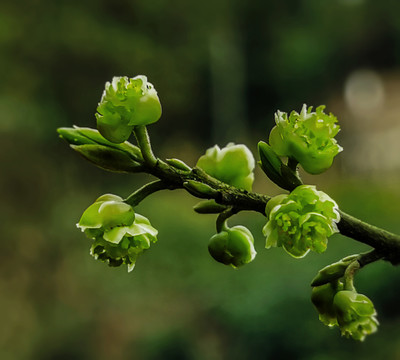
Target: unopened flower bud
x=356, y=314
x=233, y=246
x=233, y=165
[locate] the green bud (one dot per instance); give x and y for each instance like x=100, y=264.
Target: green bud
x=178, y=164
x=233, y=246
x=301, y=221
x=322, y=298
x=74, y=137
x=125, y=103
x=119, y=235
x=271, y=164
x=233, y=165
x=209, y=207
x=108, y=158
x=87, y=136
x=307, y=137
x=200, y=189
x=356, y=314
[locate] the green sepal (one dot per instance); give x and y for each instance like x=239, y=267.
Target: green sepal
x=178, y=164
x=209, y=207
x=333, y=271
x=84, y=136
x=199, y=189
x=108, y=158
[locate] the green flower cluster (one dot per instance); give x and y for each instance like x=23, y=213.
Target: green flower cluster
x=126, y=102
x=119, y=235
x=233, y=165
x=301, y=221
x=307, y=137
x=352, y=312
x=233, y=246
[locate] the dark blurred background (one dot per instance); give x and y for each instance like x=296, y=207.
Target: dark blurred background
x=221, y=68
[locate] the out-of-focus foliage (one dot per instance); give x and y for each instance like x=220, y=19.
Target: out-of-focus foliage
x=216, y=65
x=61, y=53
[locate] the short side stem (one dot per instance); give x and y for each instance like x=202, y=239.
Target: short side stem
x=136, y=197
x=143, y=140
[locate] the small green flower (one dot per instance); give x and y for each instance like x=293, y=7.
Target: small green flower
x=307, y=137
x=356, y=314
x=126, y=102
x=233, y=246
x=322, y=298
x=233, y=165
x=119, y=234
x=301, y=221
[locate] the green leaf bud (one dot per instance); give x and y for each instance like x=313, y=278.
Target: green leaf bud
x=209, y=207
x=108, y=158
x=307, y=137
x=119, y=235
x=200, y=189
x=126, y=102
x=87, y=136
x=233, y=165
x=301, y=221
x=271, y=164
x=178, y=164
x=356, y=314
x=322, y=298
x=233, y=246
x=333, y=271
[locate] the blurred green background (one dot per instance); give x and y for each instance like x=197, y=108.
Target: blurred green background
x=221, y=68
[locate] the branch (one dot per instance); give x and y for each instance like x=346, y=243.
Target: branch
x=385, y=242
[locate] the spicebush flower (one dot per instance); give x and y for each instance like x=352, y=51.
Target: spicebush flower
x=301, y=221
x=322, y=298
x=356, y=314
x=126, y=102
x=119, y=234
x=233, y=165
x=307, y=137
x=233, y=246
